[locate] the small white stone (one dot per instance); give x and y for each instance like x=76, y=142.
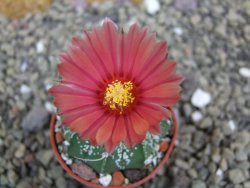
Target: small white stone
x=178, y=30
x=197, y=116
x=152, y=6
x=105, y=180
x=66, y=143
x=64, y=157
x=245, y=72
x=148, y=160
x=40, y=46
x=25, y=89
x=49, y=107
x=57, y=130
x=24, y=66
x=201, y=98
x=126, y=181
x=232, y=125
x=219, y=173
x=69, y=161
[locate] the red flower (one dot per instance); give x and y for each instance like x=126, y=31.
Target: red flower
x=115, y=87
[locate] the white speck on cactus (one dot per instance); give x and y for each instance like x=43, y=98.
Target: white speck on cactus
x=66, y=143
x=148, y=160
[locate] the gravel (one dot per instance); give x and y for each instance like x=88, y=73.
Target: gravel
x=209, y=40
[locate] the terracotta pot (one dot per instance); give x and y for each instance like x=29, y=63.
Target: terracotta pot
x=90, y=184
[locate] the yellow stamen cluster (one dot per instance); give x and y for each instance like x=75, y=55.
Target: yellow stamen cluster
x=118, y=95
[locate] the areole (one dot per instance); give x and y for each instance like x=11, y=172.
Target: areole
x=90, y=184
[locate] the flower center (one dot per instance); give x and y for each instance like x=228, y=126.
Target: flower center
x=118, y=95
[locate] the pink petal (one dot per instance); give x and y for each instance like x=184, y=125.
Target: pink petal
x=140, y=125
x=132, y=42
x=68, y=102
x=132, y=137
x=81, y=59
x=70, y=115
x=155, y=58
x=145, y=50
x=72, y=74
x=104, y=132
x=84, y=122
x=163, y=90
x=120, y=131
x=93, y=128
x=70, y=89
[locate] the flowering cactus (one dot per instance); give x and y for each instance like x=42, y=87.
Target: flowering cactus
x=114, y=96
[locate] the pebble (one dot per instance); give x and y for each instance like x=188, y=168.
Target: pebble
x=69, y=161
x=236, y=176
x=49, y=107
x=24, y=66
x=178, y=31
x=198, y=184
x=83, y=171
x=117, y=179
x=219, y=172
x=152, y=6
x=245, y=72
x=24, y=89
x=197, y=116
x=35, y=119
x=185, y=5
x=44, y=156
x=59, y=137
x=206, y=123
x=232, y=125
x=164, y=146
x=61, y=182
x=105, y=180
x=201, y=98
x=40, y=46
x=20, y=151
x=135, y=175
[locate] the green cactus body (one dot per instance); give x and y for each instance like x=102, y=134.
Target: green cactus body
x=122, y=158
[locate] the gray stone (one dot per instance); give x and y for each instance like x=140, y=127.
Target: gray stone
x=24, y=184
x=236, y=176
x=247, y=184
x=206, y=123
x=20, y=151
x=12, y=177
x=186, y=5
x=44, y=156
x=241, y=154
x=35, y=119
x=61, y=182
x=198, y=184
x=182, y=164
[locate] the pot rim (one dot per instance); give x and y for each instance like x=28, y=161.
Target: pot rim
x=90, y=184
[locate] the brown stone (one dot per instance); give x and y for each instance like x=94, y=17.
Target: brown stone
x=59, y=137
x=83, y=171
x=117, y=179
x=164, y=146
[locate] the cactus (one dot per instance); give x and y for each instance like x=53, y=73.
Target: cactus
x=122, y=158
